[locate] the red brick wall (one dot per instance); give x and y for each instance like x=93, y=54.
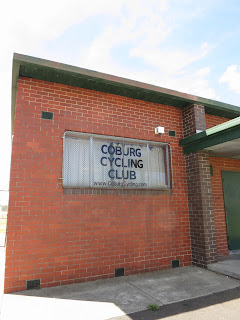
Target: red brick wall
x=220, y=164
x=66, y=238
x=212, y=121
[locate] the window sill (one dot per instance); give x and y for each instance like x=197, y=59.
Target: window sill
x=118, y=191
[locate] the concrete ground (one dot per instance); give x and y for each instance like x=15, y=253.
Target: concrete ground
x=224, y=305
x=174, y=290
x=229, y=266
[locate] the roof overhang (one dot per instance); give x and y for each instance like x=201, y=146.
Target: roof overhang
x=221, y=141
x=26, y=66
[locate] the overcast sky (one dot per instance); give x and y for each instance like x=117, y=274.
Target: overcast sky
x=190, y=46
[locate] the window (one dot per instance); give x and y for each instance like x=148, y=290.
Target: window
x=97, y=161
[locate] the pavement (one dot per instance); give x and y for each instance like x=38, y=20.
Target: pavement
x=178, y=292
x=224, y=305
x=181, y=294
x=229, y=266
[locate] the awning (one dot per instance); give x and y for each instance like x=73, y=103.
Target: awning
x=221, y=141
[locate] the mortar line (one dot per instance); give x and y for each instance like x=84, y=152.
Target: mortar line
x=159, y=301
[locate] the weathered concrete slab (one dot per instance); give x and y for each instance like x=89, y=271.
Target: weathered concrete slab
x=105, y=299
x=224, y=305
x=229, y=267
x=115, y=291
x=180, y=284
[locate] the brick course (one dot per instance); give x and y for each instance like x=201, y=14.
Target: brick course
x=64, y=238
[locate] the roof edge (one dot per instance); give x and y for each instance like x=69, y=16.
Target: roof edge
x=224, y=132
x=109, y=82
x=15, y=75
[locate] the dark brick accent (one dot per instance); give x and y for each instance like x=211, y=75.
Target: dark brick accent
x=201, y=214
x=193, y=119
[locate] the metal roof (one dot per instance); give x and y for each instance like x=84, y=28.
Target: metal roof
x=31, y=67
x=222, y=140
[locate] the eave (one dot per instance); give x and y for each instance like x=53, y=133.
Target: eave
x=31, y=67
x=222, y=140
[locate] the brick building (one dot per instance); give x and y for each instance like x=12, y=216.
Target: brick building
x=94, y=192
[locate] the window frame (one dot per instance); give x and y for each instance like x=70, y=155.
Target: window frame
x=124, y=140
